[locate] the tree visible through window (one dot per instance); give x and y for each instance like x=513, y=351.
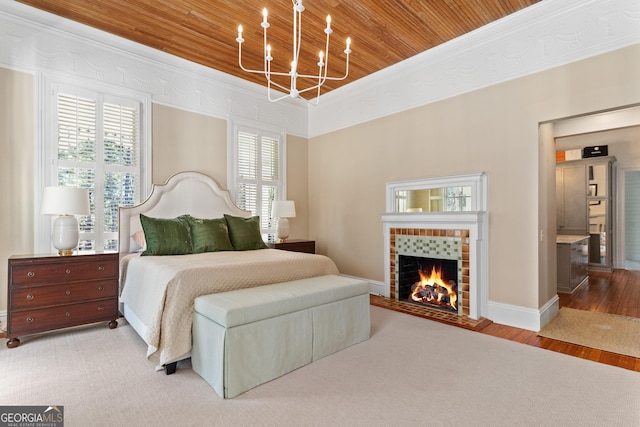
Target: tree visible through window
x=98, y=145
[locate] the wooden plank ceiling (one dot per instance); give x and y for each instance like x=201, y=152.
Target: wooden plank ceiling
x=383, y=32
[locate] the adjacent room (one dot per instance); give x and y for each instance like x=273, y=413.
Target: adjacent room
x=434, y=198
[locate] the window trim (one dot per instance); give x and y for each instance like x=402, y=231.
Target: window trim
x=235, y=125
x=45, y=124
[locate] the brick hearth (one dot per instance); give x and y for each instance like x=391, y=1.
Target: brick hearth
x=430, y=313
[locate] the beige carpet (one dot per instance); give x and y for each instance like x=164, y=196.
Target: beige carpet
x=617, y=334
x=412, y=372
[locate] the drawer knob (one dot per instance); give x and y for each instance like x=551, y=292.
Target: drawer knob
x=31, y=274
x=100, y=308
x=29, y=319
x=101, y=268
x=30, y=297
x=101, y=288
x=68, y=314
x=68, y=271
x=68, y=292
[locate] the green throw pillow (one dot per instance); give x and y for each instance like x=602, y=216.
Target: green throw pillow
x=166, y=236
x=209, y=235
x=245, y=233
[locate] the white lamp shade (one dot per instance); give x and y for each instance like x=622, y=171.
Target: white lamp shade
x=284, y=209
x=65, y=201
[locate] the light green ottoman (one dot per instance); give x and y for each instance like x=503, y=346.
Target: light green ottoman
x=247, y=337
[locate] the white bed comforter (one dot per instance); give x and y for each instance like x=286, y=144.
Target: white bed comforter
x=161, y=290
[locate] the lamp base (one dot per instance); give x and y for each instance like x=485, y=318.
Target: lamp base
x=282, y=230
x=65, y=234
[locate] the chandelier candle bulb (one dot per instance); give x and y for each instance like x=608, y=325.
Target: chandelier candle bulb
x=239, y=39
x=329, y=22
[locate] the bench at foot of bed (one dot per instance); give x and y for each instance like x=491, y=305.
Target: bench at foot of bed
x=244, y=338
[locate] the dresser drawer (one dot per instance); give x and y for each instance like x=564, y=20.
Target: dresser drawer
x=42, y=296
x=73, y=270
x=45, y=319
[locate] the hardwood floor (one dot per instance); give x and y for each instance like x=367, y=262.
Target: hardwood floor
x=616, y=293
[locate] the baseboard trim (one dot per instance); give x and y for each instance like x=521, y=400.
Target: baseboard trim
x=523, y=317
x=375, y=288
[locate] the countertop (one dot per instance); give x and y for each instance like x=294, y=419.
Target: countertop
x=569, y=238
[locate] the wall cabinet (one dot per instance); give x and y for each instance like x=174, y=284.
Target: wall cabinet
x=571, y=197
x=584, y=203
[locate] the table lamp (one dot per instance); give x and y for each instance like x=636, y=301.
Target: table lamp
x=283, y=209
x=65, y=202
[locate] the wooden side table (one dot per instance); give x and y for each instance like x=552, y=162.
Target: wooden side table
x=47, y=292
x=295, y=245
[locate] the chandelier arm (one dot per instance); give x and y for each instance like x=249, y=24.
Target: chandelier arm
x=346, y=74
x=271, y=82
x=276, y=99
x=248, y=70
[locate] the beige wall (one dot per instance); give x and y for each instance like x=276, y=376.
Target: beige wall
x=298, y=185
x=16, y=169
x=494, y=130
x=186, y=141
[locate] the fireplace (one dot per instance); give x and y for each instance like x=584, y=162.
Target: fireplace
x=431, y=268
x=432, y=282
x=452, y=237
x=447, y=236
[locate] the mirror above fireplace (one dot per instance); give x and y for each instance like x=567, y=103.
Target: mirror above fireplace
x=461, y=193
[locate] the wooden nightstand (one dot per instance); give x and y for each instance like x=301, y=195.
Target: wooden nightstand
x=47, y=292
x=295, y=245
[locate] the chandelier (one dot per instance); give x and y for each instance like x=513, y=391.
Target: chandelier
x=315, y=82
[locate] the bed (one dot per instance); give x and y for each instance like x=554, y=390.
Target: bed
x=157, y=292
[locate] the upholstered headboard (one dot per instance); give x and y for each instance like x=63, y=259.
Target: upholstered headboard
x=190, y=193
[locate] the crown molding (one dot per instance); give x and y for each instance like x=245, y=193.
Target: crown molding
x=33, y=40
x=548, y=34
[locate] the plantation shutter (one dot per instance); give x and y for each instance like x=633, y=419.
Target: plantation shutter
x=258, y=176
x=98, y=149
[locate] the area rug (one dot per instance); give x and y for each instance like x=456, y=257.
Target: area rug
x=609, y=332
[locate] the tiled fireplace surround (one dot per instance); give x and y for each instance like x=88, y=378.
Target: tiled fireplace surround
x=451, y=235
x=432, y=243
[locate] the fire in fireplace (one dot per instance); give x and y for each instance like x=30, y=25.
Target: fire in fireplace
x=428, y=281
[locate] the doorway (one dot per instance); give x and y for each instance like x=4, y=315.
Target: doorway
x=624, y=145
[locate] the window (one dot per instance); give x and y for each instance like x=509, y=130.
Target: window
x=95, y=143
x=257, y=171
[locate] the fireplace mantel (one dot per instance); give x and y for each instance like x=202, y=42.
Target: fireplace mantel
x=446, y=223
